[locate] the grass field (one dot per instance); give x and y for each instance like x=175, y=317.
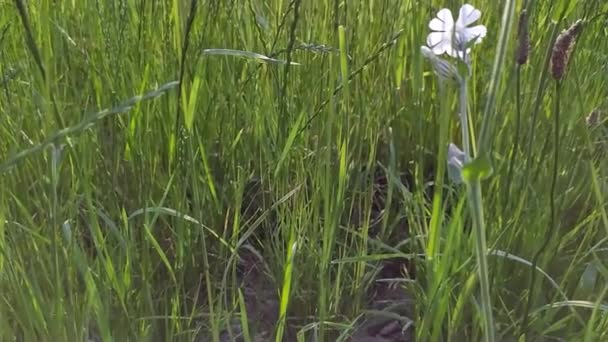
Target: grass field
x=155, y=188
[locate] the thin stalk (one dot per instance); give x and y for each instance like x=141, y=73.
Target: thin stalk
x=474, y=188
x=552, y=223
x=538, y=100
x=57, y=239
x=464, y=120
x=517, y=131
x=485, y=139
x=334, y=197
x=476, y=206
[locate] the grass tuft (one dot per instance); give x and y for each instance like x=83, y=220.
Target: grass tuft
x=281, y=174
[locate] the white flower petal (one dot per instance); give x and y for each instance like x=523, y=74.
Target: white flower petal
x=441, y=49
x=475, y=33
x=443, y=22
x=439, y=42
x=439, y=25
x=435, y=38
x=453, y=52
x=454, y=38
x=468, y=15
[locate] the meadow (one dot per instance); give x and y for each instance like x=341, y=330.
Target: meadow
x=276, y=170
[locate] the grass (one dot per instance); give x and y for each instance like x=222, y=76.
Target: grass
x=130, y=145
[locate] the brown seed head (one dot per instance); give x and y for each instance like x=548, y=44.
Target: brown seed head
x=562, y=49
x=523, y=39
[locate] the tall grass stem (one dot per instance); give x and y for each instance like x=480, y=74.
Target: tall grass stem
x=515, y=149
x=552, y=217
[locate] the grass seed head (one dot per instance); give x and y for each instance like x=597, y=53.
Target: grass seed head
x=523, y=39
x=562, y=49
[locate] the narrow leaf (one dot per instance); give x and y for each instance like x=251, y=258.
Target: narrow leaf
x=246, y=54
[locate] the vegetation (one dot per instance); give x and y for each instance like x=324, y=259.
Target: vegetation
x=267, y=170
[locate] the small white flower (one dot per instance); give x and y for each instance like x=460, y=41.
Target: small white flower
x=456, y=159
x=453, y=38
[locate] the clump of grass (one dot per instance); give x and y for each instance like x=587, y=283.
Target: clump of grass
x=129, y=222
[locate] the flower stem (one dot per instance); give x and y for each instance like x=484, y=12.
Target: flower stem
x=464, y=120
x=515, y=149
x=476, y=206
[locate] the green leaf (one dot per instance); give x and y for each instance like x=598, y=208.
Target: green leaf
x=563, y=10
x=246, y=54
x=289, y=143
x=477, y=169
x=192, y=102
x=587, y=282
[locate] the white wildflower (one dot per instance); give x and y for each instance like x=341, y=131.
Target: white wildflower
x=456, y=159
x=453, y=37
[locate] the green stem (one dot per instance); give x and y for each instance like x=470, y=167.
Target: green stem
x=464, y=120
x=552, y=223
x=476, y=206
x=517, y=132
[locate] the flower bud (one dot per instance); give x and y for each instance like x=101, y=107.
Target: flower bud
x=456, y=159
x=444, y=69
